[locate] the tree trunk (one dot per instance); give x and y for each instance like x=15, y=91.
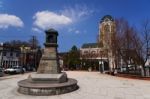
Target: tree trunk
x=144, y=71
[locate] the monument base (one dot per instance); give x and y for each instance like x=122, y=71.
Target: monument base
x=45, y=89
x=47, y=84
x=48, y=78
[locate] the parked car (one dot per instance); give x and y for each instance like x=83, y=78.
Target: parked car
x=1, y=72
x=14, y=70
x=30, y=68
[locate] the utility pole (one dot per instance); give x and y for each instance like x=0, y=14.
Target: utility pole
x=34, y=49
x=33, y=42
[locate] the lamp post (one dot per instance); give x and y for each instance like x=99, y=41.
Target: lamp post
x=22, y=55
x=33, y=58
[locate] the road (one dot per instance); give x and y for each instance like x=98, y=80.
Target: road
x=93, y=85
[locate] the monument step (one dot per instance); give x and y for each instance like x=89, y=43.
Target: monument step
x=48, y=78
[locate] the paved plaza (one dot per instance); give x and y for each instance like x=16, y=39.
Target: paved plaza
x=93, y=85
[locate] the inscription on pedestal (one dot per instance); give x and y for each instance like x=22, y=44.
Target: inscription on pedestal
x=44, y=64
x=47, y=66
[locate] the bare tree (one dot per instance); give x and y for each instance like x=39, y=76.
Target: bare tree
x=16, y=43
x=125, y=43
x=144, y=44
x=122, y=39
x=33, y=42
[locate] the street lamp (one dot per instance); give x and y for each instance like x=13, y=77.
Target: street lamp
x=22, y=55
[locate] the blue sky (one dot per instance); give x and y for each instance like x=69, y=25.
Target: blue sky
x=75, y=20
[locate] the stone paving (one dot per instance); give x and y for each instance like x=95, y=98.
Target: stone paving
x=93, y=85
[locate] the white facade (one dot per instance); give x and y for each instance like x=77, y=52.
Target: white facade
x=9, y=59
x=147, y=62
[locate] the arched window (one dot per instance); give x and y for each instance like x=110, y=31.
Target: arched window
x=107, y=28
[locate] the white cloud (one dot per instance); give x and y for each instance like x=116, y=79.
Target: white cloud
x=73, y=30
x=34, y=29
x=60, y=19
x=78, y=12
x=47, y=19
x=77, y=31
x=7, y=20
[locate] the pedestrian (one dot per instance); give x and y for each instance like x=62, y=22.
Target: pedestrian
x=22, y=70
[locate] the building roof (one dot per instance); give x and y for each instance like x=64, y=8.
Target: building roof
x=107, y=17
x=91, y=45
x=62, y=53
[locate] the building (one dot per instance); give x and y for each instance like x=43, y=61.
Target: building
x=62, y=57
x=95, y=56
x=101, y=52
x=106, y=31
x=9, y=56
x=29, y=57
x=19, y=56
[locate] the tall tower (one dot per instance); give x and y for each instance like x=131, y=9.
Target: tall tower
x=106, y=31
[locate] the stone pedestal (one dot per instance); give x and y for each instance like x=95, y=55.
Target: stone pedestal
x=49, y=62
x=49, y=80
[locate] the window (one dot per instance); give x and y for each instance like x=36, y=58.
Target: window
x=17, y=54
x=86, y=52
x=11, y=54
x=4, y=53
x=107, y=28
